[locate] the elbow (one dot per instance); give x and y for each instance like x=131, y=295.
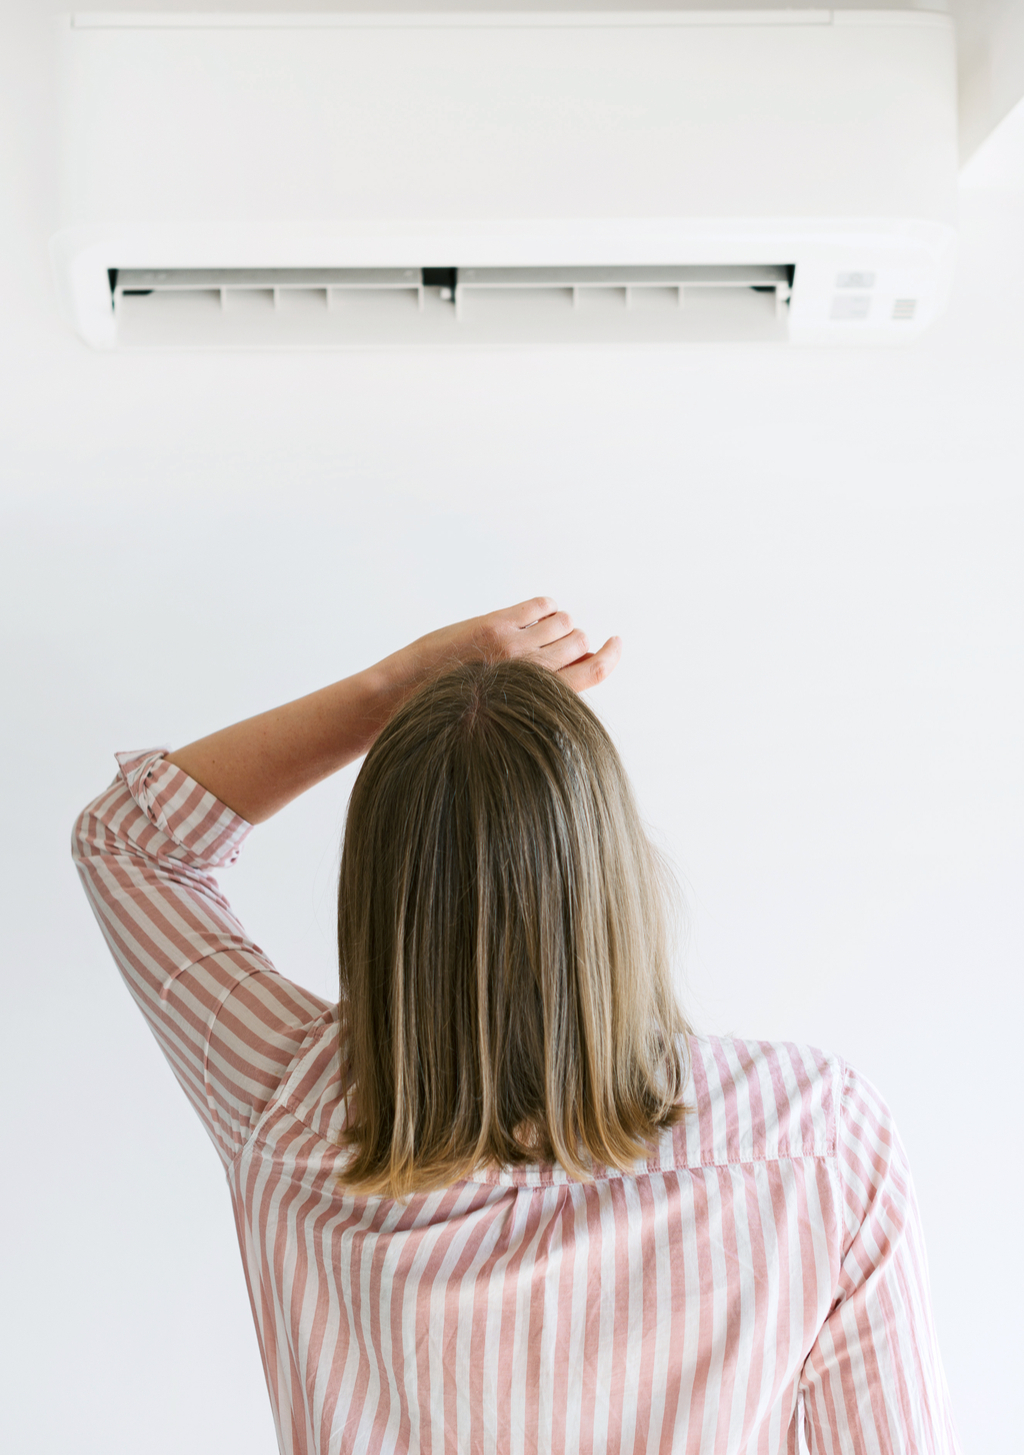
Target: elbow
x=86, y=834
x=80, y=836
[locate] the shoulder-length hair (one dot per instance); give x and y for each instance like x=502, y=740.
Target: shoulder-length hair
x=503, y=939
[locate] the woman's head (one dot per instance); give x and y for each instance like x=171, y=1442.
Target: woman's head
x=505, y=981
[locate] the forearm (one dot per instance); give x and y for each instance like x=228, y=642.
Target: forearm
x=257, y=766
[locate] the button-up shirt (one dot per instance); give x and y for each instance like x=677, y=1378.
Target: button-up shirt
x=758, y=1284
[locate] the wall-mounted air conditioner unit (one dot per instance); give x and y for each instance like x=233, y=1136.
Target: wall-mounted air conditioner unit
x=337, y=179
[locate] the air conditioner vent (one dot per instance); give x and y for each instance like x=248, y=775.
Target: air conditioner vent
x=904, y=309
x=331, y=307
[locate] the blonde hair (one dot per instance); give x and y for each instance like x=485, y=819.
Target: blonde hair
x=503, y=939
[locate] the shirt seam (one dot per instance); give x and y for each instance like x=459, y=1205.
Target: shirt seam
x=294, y=1109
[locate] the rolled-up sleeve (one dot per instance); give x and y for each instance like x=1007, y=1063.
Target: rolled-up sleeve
x=229, y=1025
x=873, y=1383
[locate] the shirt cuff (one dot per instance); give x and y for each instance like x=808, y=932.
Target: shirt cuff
x=204, y=831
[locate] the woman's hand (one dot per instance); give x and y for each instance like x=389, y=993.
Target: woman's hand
x=534, y=629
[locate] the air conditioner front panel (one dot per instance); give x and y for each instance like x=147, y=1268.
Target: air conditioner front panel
x=429, y=123
x=505, y=141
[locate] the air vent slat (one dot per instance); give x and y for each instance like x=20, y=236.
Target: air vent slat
x=302, y=307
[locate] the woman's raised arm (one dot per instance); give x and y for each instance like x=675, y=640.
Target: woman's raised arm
x=257, y=766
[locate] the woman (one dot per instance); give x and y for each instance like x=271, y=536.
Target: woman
x=499, y=1197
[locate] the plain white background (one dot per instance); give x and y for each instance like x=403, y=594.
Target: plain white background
x=814, y=560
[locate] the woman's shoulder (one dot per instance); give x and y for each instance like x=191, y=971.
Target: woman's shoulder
x=756, y=1101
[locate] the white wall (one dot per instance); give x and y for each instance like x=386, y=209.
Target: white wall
x=814, y=561
x=990, y=54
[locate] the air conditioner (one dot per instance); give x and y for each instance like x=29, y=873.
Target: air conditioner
x=326, y=180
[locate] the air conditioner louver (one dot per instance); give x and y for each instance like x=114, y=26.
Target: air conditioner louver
x=233, y=307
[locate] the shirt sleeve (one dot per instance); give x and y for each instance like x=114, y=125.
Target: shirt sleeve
x=229, y=1025
x=873, y=1383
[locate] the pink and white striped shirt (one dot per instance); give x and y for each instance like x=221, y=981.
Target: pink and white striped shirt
x=758, y=1285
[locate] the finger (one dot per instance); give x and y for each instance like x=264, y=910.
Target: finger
x=527, y=612
x=554, y=627
x=594, y=667
x=563, y=652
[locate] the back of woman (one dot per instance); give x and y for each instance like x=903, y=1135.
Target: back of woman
x=500, y=1197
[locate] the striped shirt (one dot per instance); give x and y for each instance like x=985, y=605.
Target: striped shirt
x=758, y=1285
